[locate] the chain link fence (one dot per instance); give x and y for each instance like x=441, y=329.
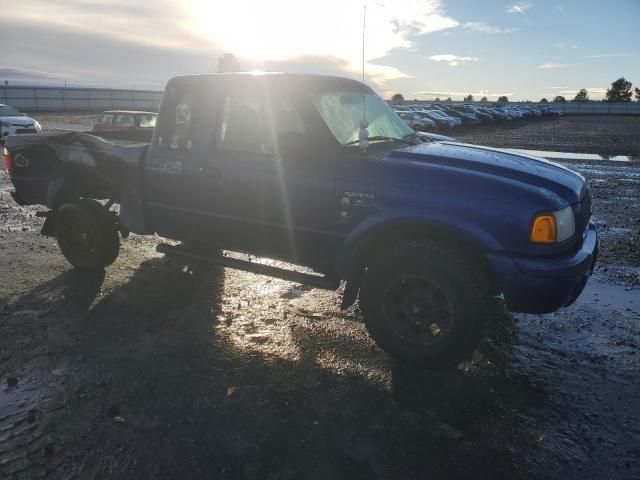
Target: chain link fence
x=35, y=99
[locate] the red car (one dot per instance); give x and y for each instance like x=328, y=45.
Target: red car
x=118, y=120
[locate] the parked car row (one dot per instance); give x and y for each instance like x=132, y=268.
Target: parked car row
x=123, y=124
x=426, y=117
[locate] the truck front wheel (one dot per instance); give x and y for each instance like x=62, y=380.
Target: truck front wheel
x=424, y=305
x=87, y=234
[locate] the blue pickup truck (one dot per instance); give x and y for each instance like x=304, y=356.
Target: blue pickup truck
x=425, y=234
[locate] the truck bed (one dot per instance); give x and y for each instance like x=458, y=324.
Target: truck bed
x=51, y=169
x=47, y=168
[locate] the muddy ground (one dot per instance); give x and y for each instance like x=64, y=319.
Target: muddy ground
x=142, y=373
x=601, y=134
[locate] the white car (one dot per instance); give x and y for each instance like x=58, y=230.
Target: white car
x=415, y=121
x=13, y=122
x=442, y=118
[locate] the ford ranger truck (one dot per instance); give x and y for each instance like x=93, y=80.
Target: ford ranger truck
x=423, y=234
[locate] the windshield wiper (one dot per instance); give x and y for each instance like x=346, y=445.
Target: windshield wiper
x=411, y=135
x=382, y=137
x=418, y=139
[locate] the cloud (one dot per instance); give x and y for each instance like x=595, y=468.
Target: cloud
x=289, y=29
x=566, y=45
x=594, y=92
x=590, y=91
x=328, y=65
x=608, y=55
x=452, y=60
x=479, y=94
x=161, y=24
x=37, y=54
x=519, y=7
x=484, y=28
x=18, y=73
x=253, y=30
x=555, y=65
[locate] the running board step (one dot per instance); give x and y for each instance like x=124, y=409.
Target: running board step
x=304, y=278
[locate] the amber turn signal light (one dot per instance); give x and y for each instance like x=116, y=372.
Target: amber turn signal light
x=544, y=229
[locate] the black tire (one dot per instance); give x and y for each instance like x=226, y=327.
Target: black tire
x=87, y=234
x=424, y=305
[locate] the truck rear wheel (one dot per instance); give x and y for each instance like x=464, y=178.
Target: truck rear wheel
x=424, y=305
x=87, y=234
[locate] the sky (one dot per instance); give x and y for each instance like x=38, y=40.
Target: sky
x=420, y=48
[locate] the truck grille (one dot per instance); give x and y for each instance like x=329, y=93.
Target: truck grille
x=582, y=212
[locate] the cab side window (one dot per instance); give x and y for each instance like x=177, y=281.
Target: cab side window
x=244, y=126
x=255, y=124
x=286, y=118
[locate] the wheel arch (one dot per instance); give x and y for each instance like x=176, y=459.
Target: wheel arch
x=71, y=184
x=469, y=242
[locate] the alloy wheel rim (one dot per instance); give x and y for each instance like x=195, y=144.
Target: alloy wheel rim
x=417, y=310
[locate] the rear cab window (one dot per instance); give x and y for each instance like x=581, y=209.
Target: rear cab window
x=177, y=118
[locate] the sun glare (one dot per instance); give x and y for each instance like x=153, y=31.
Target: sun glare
x=286, y=29
x=259, y=29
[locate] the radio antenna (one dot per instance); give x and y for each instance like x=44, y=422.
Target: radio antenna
x=364, y=133
x=364, y=27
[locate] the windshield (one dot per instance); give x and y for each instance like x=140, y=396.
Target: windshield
x=343, y=111
x=7, y=111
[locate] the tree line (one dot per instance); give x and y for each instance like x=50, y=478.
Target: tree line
x=620, y=91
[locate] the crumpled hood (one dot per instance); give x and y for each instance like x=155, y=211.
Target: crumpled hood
x=524, y=168
x=21, y=121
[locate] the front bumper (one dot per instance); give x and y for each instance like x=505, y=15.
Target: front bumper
x=543, y=285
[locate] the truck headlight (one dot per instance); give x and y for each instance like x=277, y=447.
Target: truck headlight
x=553, y=227
x=566, y=223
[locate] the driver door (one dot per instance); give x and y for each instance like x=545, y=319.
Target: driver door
x=278, y=197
